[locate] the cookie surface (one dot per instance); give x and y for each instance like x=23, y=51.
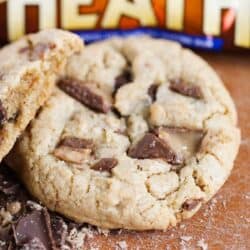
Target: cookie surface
x=145, y=134
x=28, y=69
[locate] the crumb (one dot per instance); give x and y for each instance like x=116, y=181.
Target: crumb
x=212, y=204
x=120, y=231
x=122, y=245
x=103, y=231
x=202, y=244
x=34, y=205
x=247, y=196
x=224, y=203
x=182, y=226
x=88, y=231
x=2, y=243
x=14, y=207
x=183, y=242
x=186, y=238
x=5, y=217
x=183, y=245
x=76, y=238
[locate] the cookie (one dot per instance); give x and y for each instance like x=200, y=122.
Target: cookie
x=28, y=69
x=141, y=133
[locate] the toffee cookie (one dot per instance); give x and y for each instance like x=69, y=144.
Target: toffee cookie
x=27, y=74
x=143, y=135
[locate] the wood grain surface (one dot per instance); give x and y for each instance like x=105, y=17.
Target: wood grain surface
x=223, y=223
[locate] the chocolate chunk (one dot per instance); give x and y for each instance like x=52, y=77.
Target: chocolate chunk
x=36, y=52
x=33, y=244
x=186, y=89
x=152, y=90
x=34, y=225
x=124, y=78
x=74, y=142
x=105, y=164
x=152, y=147
x=86, y=93
x=190, y=204
x=3, y=114
x=73, y=155
x=73, y=149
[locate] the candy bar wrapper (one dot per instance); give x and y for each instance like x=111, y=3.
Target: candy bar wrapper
x=213, y=25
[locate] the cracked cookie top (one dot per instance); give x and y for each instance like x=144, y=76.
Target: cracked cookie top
x=140, y=134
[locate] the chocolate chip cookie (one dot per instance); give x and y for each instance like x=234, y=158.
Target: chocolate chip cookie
x=28, y=69
x=140, y=134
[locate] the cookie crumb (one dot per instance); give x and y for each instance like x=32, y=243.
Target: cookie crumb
x=224, y=204
x=76, y=238
x=94, y=248
x=184, y=241
x=183, y=245
x=88, y=231
x=34, y=206
x=247, y=196
x=5, y=217
x=202, y=244
x=2, y=243
x=14, y=207
x=122, y=245
x=103, y=231
x=186, y=238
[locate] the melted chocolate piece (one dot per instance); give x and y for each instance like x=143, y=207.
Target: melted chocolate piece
x=3, y=114
x=124, y=78
x=76, y=143
x=35, y=224
x=186, y=89
x=105, y=164
x=152, y=147
x=185, y=142
x=190, y=204
x=84, y=94
x=152, y=90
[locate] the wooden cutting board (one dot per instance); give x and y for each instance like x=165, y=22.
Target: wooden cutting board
x=223, y=223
